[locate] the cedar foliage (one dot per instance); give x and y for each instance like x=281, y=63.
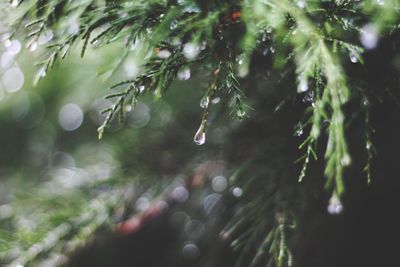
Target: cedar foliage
x=287, y=64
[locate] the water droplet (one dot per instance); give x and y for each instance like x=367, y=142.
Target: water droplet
x=216, y=100
x=131, y=69
x=128, y=108
x=141, y=88
x=45, y=37
x=345, y=160
x=33, y=46
x=303, y=85
x=240, y=59
x=369, y=36
x=14, y=3
x=309, y=97
x=184, y=74
x=365, y=102
x=200, y=136
x=272, y=49
x=173, y=24
x=70, y=117
x=301, y=3
x=204, y=101
x=73, y=27
x=203, y=45
x=13, y=79
x=191, y=50
x=42, y=71
x=353, y=58
x=219, y=183
x=264, y=37
x=299, y=130
x=240, y=113
x=14, y=47
x=176, y=41
x=237, y=192
x=164, y=54
x=335, y=205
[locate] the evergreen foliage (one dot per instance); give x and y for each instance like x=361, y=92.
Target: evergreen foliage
x=310, y=43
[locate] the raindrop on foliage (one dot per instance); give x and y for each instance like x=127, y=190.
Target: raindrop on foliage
x=203, y=45
x=309, y=97
x=335, y=205
x=301, y=3
x=173, y=24
x=33, y=46
x=303, y=85
x=299, y=130
x=204, y=101
x=45, y=37
x=345, y=160
x=14, y=3
x=200, y=136
x=184, y=74
x=353, y=58
x=164, y=54
x=128, y=108
x=191, y=50
x=216, y=100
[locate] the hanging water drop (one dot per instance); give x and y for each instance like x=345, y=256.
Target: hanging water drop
x=216, y=100
x=191, y=50
x=299, y=130
x=303, y=85
x=203, y=45
x=184, y=74
x=345, y=160
x=353, y=58
x=309, y=97
x=128, y=108
x=335, y=206
x=200, y=136
x=173, y=24
x=33, y=46
x=14, y=3
x=164, y=54
x=204, y=101
x=301, y=3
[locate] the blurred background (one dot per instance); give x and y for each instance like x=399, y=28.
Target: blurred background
x=146, y=195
